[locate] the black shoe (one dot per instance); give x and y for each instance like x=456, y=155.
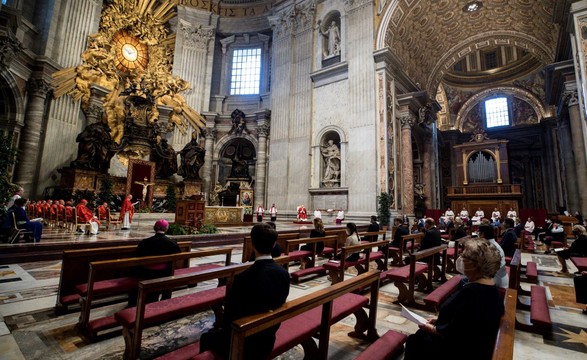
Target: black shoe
x=584, y=311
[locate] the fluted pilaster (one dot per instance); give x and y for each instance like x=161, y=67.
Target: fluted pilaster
x=27, y=171
x=210, y=133
x=263, y=128
x=576, y=124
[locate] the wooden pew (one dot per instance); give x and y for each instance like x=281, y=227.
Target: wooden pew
x=504, y=343
x=248, y=250
x=309, y=261
x=415, y=272
x=134, y=320
x=397, y=253
x=126, y=281
x=301, y=319
x=366, y=236
x=75, y=269
x=336, y=268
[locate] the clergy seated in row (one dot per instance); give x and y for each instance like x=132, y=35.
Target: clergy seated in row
x=464, y=215
x=86, y=215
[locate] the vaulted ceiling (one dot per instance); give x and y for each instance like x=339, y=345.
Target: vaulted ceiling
x=430, y=36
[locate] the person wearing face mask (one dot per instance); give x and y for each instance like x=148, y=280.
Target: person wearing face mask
x=578, y=248
x=470, y=316
x=352, y=239
x=23, y=221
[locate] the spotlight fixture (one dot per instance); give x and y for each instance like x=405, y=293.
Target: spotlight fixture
x=473, y=6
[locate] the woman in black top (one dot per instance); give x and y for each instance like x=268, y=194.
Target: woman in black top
x=578, y=248
x=318, y=231
x=468, y=321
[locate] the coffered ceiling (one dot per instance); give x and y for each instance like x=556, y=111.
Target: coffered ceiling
x=429, y=36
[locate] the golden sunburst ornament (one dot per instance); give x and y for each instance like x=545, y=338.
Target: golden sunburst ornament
x=133, y=46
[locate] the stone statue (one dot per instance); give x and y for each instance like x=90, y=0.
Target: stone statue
x=239, y=126
x=332, y=34
x=331, y=155
x=192, y=159
x=239, y=169
x=94, y=149
x=165, y=159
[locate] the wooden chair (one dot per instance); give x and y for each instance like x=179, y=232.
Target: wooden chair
x=16, y=232
x=112, y=220
x=79, y=225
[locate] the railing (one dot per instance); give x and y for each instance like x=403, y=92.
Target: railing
x=493, y=189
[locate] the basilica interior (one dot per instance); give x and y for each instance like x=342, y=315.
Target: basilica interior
x=322, y=104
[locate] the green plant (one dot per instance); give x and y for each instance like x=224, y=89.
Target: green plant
x=170, y=193
x=144, y=210
x=383, y=211
x=208, y=229
x=176, y=229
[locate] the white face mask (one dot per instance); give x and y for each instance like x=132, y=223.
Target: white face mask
x=348, y=232
x=460, y=265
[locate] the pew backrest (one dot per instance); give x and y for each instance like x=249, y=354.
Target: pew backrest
x=75, y=266
x=248, y=250
x=295, y=243
x=515, y=268
x=504, y=342
x=251, y=325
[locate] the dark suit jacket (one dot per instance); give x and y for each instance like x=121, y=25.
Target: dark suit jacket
x=399, y=233
x=262, y=287
x=431, y=239
x=508, y=242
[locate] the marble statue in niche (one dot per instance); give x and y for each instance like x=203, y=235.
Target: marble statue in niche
x=332, y=35
x=331, y=154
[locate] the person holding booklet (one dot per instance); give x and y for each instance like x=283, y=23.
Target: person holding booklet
x=470, y=318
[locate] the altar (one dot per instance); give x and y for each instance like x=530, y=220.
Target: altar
x=224, y=215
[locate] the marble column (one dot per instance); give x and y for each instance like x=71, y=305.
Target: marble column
x=568, y=162
x=427, y=174
x=407, y=121
x=27, y=167
x=263, y=127
x=578, y=148
x=210, y=133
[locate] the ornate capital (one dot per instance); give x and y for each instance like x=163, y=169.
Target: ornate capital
x=209, y=133
x=196, y=36
x=263, y=130
x=94, y=111
x=407, y=121
x=297, y=18
x=38, y=87
x=9, y=48
x=570, y=98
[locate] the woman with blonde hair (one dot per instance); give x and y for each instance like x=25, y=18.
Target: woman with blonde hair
x=470, y=316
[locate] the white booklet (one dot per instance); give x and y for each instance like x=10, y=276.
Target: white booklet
x=412, y=316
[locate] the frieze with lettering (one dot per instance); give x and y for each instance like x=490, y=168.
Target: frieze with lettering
x=227, y=10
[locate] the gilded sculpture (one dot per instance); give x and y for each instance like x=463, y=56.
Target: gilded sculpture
x=133, y=46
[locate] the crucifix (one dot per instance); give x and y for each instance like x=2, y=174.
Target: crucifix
x=145, y=184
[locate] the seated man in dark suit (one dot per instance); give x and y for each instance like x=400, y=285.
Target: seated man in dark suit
x=509, y=238
x=431, y=239
x=400, y=231
x=261, y=288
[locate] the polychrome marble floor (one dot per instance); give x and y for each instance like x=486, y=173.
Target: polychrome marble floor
x=29, y=329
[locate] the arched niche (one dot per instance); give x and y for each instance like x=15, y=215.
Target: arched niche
x=329, y=154
x=236, y=160
x=329, y=47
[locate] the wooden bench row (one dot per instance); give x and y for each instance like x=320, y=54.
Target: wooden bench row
x=128, y=281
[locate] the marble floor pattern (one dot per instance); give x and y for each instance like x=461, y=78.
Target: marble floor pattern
x=29, y=329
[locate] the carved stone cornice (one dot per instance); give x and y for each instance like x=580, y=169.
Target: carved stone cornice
x=295, y=19
x=38, y=87
x=570, y=98
x=407, y=121
x=352, y=5
x=9, y=48
x=197, y=37
x=263, y=130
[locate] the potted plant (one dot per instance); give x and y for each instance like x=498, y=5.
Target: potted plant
x=383, y=212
